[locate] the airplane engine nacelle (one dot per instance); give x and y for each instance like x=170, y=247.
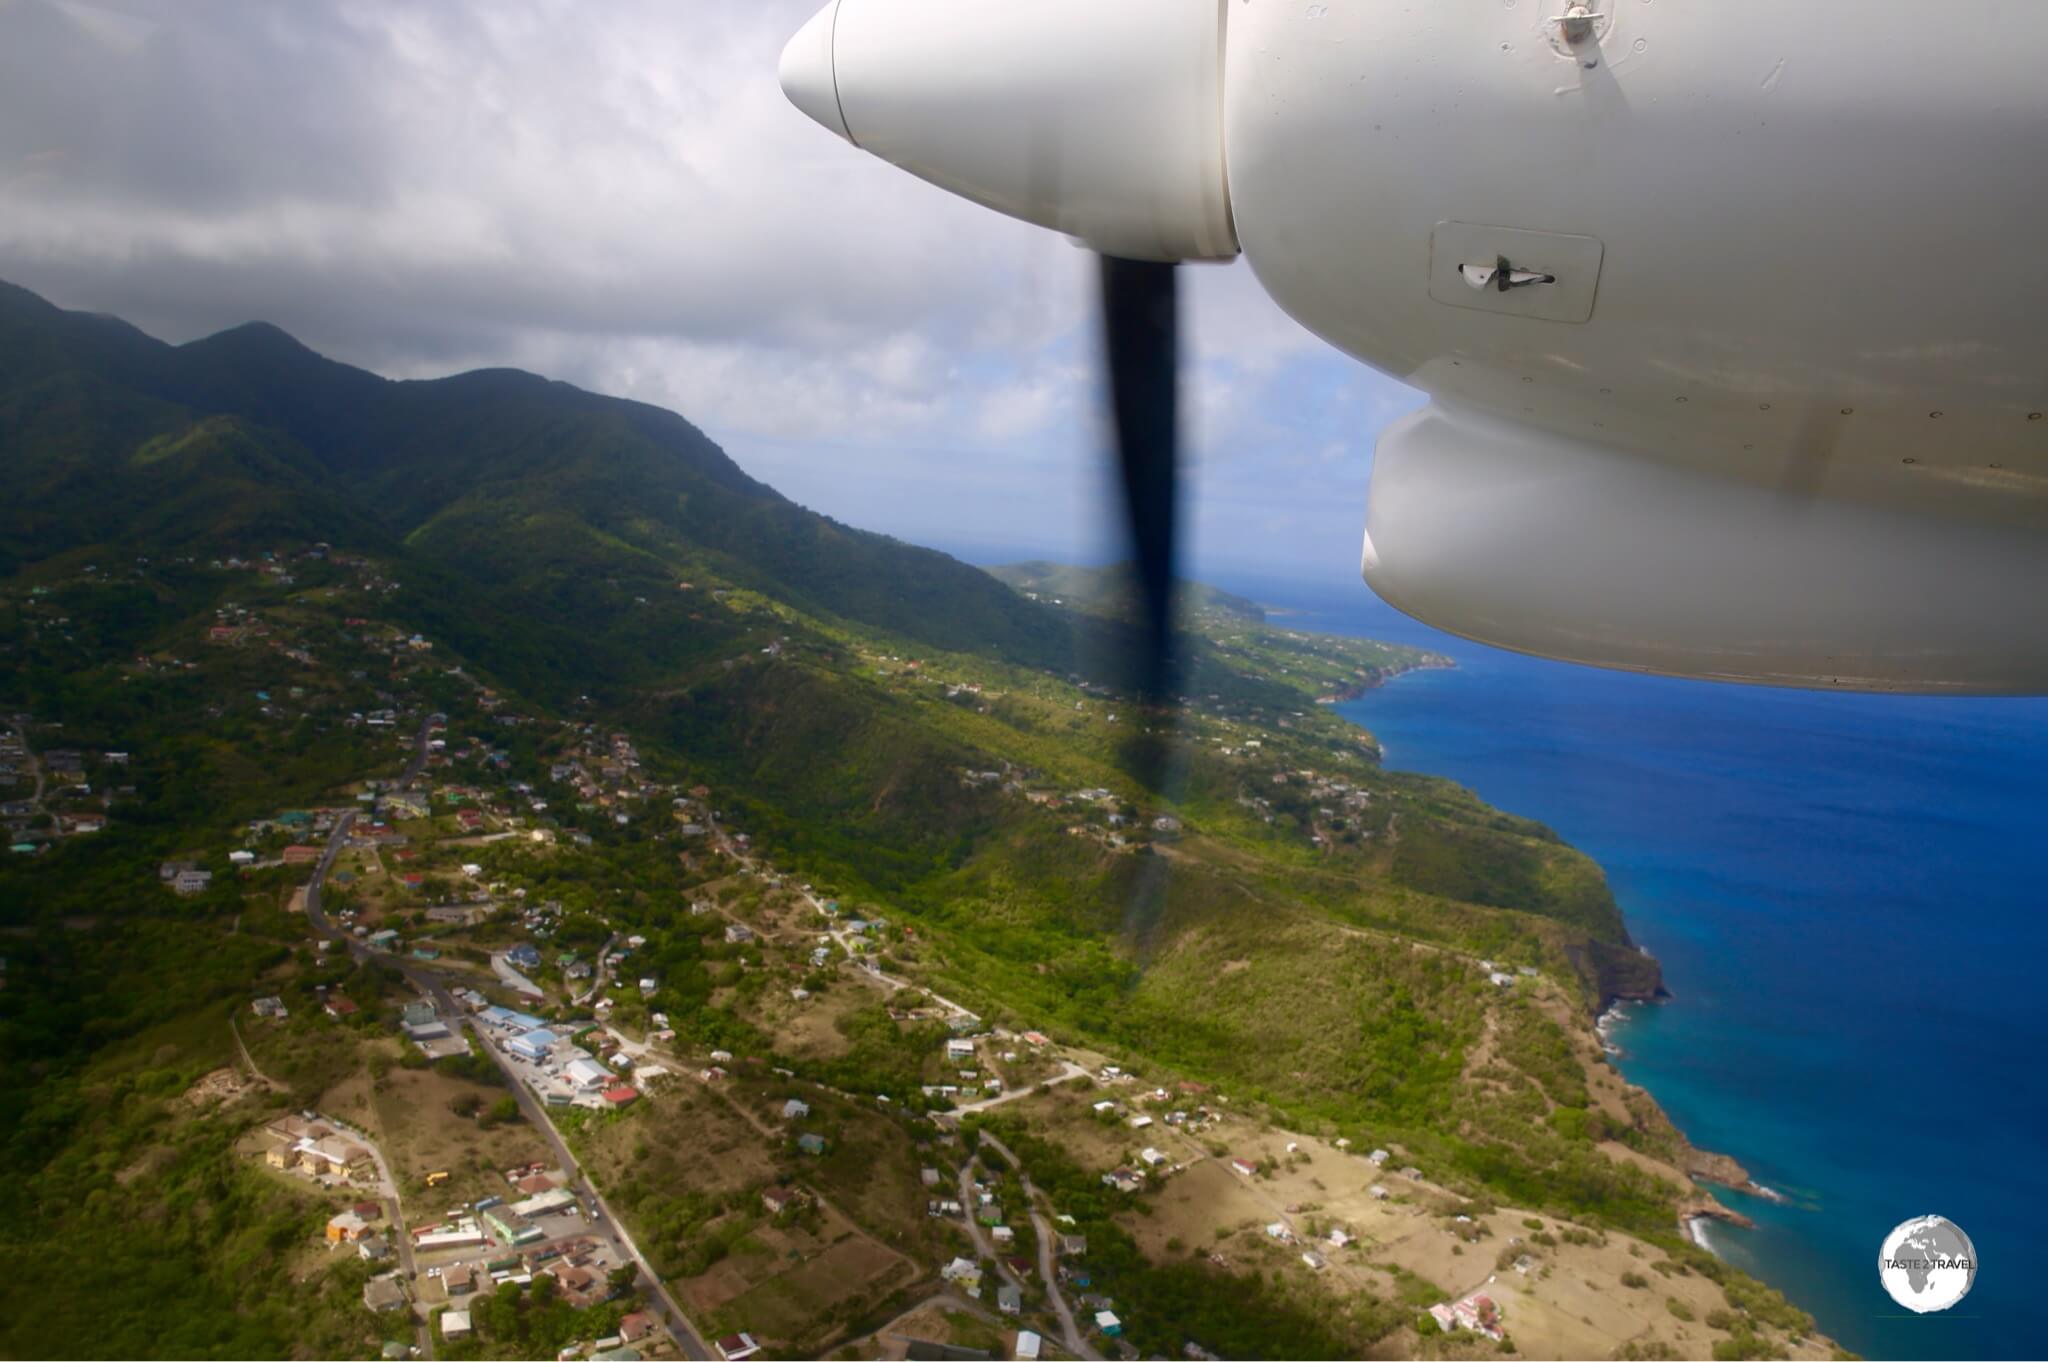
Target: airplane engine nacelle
x=1734, y=315
x=1762, y=397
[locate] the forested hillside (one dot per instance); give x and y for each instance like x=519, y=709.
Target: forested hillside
x=236, y=576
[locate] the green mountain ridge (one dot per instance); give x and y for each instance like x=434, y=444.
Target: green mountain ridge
x=451, y=465
x=1112, y=589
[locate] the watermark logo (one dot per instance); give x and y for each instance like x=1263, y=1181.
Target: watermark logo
x=1927, y=1264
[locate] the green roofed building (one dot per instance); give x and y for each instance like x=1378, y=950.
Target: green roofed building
x=510, y=1226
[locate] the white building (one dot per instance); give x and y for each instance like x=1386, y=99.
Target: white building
x=546, y=1203
x=587, y=1073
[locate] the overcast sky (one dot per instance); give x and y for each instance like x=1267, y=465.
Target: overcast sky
x=618, y=195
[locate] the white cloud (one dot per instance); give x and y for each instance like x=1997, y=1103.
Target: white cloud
x=621, y=197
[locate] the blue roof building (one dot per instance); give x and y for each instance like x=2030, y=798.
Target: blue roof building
x=507, y=1019
x=533, y=1045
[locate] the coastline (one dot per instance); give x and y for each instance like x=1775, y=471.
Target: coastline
x=1701, y=1165
x=1609, y=1013
x=1754, y=834
x=1430, y=662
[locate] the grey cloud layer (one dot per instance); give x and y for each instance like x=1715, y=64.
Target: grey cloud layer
x=615, y=194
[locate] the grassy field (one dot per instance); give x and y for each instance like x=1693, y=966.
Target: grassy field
x=415, y=1121
x=1566, y=1289
x=798, y=1285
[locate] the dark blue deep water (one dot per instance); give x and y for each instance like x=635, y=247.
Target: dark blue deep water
x=1846, y=893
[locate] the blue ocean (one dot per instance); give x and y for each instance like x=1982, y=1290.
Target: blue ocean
x=1846, y=893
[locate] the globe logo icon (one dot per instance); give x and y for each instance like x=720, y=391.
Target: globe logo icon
x=1927, y=1264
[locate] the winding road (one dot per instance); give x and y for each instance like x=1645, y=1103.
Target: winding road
x=35, y=800
x=1070, y=1333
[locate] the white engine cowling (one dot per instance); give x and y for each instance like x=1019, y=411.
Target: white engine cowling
x=1102, y=119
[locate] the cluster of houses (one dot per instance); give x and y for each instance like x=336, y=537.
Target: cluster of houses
x=574, y=1075
x=579, y=1268
x=316, y=1147
x=65, y=779
x=358, y=1226
x=939, y=1206
x=604, y=774
x=966, y=1274
x=1476, y=1312
x=191, y=877
x=634, y=1329
x=1184, y=1119
x=507, y=1225
x=1499, y=975
x=959, y=1049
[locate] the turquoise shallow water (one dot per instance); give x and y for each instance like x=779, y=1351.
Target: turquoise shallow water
x=1846, y=894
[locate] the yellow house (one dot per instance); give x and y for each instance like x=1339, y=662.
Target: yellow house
x=346, y=1228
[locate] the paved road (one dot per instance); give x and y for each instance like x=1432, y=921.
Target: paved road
x=35, y=800
x=387, y=1188
x=512, y=978
x=600, y=972
x=1068, y=1069
x=1070, y=1334
x=971, y=1203
x=419, y=753
x=609, y=1226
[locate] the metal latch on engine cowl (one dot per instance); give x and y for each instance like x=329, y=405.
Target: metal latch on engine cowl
x=1546, y=276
